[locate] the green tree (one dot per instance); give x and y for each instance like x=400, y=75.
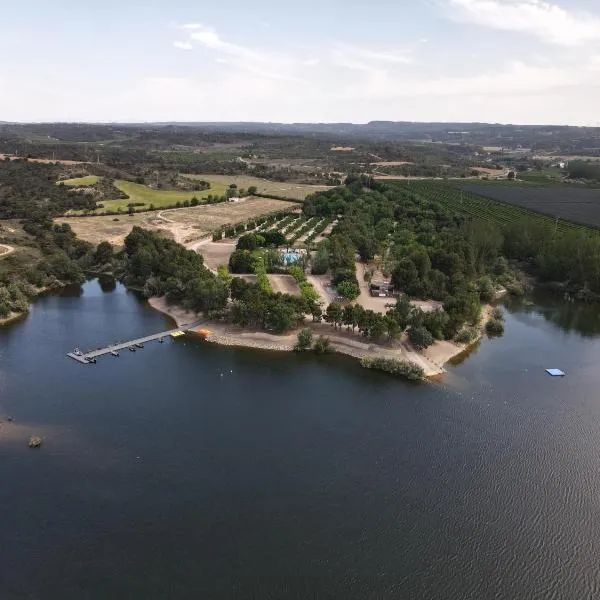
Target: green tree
x=393, y=328
x=334, y=314
x=358, y=313
x=420, y=337
x=316, y=311
x=104, y=253
x=348, y=290
x=224, y=275
x=320, y=264
x=280, y=317
x=348, y=316
x=378, y=327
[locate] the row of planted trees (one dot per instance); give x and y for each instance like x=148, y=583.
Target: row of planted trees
x=457, y=321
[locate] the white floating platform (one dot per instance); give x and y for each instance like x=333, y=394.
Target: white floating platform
x=555, y=372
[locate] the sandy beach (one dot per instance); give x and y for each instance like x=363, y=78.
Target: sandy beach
x=432, y=360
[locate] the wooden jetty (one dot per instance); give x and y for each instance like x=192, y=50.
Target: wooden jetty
x=85, y=358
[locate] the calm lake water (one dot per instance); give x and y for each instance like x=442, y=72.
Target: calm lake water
x=187, y=470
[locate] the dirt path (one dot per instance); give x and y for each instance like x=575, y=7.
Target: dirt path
x=284, y=284
x=5, y=250
x=321, y=285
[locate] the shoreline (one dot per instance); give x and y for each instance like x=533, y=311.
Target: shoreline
x=432, y=360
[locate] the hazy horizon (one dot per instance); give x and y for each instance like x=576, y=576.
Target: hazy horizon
x=526, y=62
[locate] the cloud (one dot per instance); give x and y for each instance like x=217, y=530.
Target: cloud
x=515, y=78
x=268, y=65
x=364, y=59
x=183, y=45
x=544, y=20
x=190, y=26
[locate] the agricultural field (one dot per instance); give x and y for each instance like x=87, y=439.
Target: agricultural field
x=479, y=206
x=184, y=225
x=147, y=196
x=294, y=191
x=578, y=205
x=81, y=181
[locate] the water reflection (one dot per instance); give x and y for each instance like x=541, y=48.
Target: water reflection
x=569, y=316
x=107, y=283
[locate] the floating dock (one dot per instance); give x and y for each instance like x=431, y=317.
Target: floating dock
x=85, y=358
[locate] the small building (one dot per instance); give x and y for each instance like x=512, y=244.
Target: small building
x=382, y=289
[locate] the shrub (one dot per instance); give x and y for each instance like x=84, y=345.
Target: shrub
x=403, y=368
x=305, y=340
x=323, y=346
x=466, y=335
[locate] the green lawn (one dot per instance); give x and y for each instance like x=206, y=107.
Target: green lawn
x=81, y=181
x=159, y=198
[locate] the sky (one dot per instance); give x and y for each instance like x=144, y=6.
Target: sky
x=500, y=61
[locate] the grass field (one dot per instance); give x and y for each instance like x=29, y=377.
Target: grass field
x=185, y=225
x=81, y=181
x=159, y=198
x=294, y=191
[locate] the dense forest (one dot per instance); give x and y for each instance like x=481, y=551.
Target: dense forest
x=28, y=191
x=49, y=255
x=436, y=252
x=162, y=267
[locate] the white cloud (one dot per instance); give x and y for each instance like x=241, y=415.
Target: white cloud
x=190, y=26
x=539, y=18
x=513, y=79
x=183, y=45
x=390, y=56
x=269, y=65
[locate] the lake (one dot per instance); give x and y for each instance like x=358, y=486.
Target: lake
x=188, y=470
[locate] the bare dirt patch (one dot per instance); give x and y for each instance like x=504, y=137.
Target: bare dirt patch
x=288, y=189
x=378, y=304
x=285, y=284
x=45, y=161
x=5, y=250
x=215, y=253
x=185, y=225
x=393, y=163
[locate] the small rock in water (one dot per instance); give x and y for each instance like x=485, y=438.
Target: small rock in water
x=35, y=441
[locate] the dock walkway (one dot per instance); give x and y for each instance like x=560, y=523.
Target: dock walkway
x=86, y=357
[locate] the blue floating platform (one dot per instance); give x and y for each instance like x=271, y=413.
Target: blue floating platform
x=555, y=372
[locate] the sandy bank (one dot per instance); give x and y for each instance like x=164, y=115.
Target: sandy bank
x=5, y=250
x=344, y=342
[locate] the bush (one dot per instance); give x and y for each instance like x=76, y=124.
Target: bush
x=323, y=346
x=395, y=367
x=466, y=335
x=305, y=340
